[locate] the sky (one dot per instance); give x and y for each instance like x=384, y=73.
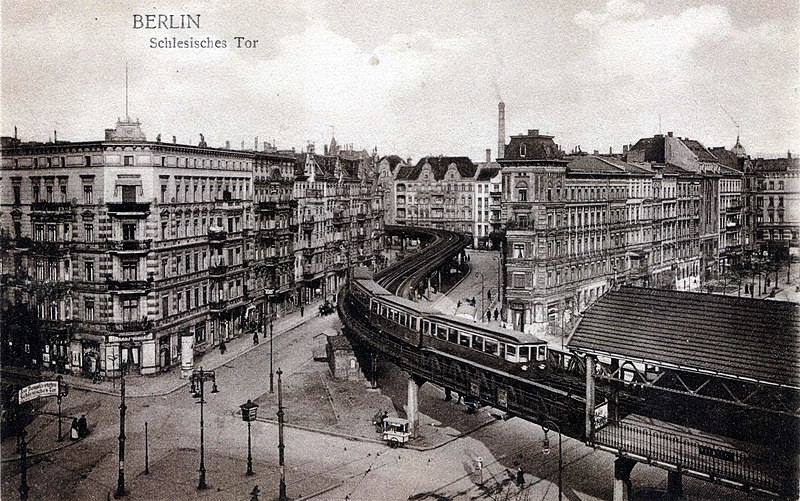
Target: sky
x=411, y=78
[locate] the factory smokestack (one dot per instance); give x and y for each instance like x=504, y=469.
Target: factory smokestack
x=501, y=130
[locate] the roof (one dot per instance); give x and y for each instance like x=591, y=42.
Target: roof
x=652, y=147
x=340, y=343
x=439, y=166
x=703, y=155
x=537, y=147
x=727, y=158
x=487, y=173
x=591, y=164
x=392, y=160
x=729, y=336
x=775, y=164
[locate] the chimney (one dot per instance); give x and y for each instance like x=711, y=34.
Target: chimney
x=255, y=145
x=174, y=140
x=624, y=149
x=15, y=132
x=326, y=150
x=669, y=134
x=596, y=152
x=55, y=136
x=488, y=155
x=227, y=145
x=610, y=150
x=501, y=130
x=533, y=132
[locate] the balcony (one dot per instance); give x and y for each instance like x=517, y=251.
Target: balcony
x=128, y=246
x=309, y=251
x=271, y=261
x=228, y=205
x=134, y=326
x=216, y=235
x=129, y=209
x=217, y=306
x=218, y=271
x=308, y=271
x=52, y=207
x=361, y=217
x=268, y=206
x=129, y=286
x=48, y=248
x=308, y=226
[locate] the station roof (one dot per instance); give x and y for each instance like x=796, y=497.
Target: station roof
x=728, y=336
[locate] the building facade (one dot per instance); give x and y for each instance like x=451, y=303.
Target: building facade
x=142, y=255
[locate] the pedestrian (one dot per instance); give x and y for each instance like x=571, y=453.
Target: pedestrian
x=83, y=427
x=746, y=289
x=255, y=338
x=488, y=314
x=73, y=431
x=473, y=301
x=302, y=310
x=496, y=314
x=459, y=304
x=520, y=477
x=222, y=347
x=489, y=294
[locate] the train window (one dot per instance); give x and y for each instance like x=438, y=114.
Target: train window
x=403, y=320
x=441, y=332
x=383, y=311
x=477, y=343
x=426, y=327
x=452, y=336
x=511, y=353
x=394, y=316
x=490, y=346
x=465, y=340
x=541, y=353
x=413, y=323
x=375, y=307
x=524, y=352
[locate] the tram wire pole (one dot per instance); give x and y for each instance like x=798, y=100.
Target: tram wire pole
x=146, y=453
x=122, y=408
x=23, y=472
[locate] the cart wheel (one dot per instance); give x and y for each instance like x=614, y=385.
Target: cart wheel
x=393, y=443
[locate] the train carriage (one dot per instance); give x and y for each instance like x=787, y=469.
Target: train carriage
x=399, y=317
x=516, y=352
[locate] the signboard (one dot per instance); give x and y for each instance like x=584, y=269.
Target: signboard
x=502, y=397
x=601, y=415
x=249, y=414
x=38, y=390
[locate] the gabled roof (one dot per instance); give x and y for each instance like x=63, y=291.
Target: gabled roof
x=592, y=164
x=729, y=336
x=439, y=165
x=775, y=164
x=392, y=160
x=728, y=158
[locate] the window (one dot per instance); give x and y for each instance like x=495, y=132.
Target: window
x=128, y=160
x=88, y=271
x=164, y=306
x=130, y=310
x=38, y=234
x=128, y=194
x=129, y=231
x=130, y=271
x=522, y=150
x=35, y=193
x=88, y=310
x=519, y=251
x=522, y=192
x=163, y=193
x=518, y=280
x=87, y=194
x=88, y=232
x=17, y=195
x=63, y=189
x=49, y=191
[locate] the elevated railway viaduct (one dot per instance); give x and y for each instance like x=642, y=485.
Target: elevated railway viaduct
x=622, y=396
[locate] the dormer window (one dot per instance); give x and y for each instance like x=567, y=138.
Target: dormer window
x=522, y=150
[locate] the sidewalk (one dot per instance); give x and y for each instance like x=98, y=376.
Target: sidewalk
x=164, y=383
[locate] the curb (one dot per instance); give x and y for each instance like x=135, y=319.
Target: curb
x=321, y=491
x=29, y=456
x=183, y=383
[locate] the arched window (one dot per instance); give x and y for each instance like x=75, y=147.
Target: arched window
x=522, y=149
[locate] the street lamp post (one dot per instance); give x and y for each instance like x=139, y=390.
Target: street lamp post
x=483, y=312
x=198, y=379
x=122, y=408
x=23, y=471
x=546, y=449
x=282, y=488
x=271, y=372
x=62, y=392
x=249, y=413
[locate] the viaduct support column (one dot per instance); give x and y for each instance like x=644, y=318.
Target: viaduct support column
x=622, y=478
x=674, y=485
x=589, y=424
x=412, y=409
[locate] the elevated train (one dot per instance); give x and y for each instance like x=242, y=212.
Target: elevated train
x=424, y=328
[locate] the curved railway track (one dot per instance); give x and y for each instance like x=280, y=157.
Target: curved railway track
x=558, y=397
